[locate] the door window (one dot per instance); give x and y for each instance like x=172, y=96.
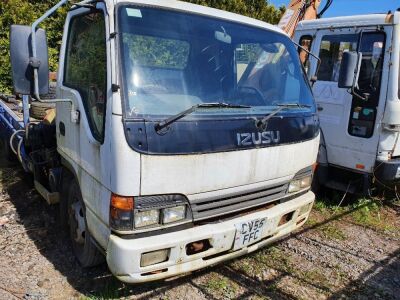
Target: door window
x=305, y=42
x=86, y=67
x=363, y=112
x=331, y=52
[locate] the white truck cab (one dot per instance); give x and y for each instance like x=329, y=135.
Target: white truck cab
x=359, y=124
x=192, y=137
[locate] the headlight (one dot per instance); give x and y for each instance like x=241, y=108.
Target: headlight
x=294, y=186
x=299, y=184
x=174, y=214
x=149, y=212
x=305, y=182
x=146, y=218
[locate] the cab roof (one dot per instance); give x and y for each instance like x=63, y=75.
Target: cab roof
x=351, y=21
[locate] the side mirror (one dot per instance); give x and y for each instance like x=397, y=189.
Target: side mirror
x=22, y=63
x=350, y=69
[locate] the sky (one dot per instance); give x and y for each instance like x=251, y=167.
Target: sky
x=352, y=7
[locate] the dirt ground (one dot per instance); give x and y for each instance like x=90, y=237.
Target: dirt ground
x=347, y=253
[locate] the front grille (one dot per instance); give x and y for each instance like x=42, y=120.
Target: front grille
x=214, y=206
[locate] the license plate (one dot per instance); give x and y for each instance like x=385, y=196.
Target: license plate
x=249, y=232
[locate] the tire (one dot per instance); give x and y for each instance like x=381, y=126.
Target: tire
x=38, y=109
x=63, y=205
x=84, y=249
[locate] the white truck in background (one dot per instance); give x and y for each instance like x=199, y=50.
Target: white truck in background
x=358, y=98
x=183, y=136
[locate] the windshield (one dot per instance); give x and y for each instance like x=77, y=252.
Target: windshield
x=173, y=61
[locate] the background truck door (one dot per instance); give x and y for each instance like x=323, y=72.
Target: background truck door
x=350, y=126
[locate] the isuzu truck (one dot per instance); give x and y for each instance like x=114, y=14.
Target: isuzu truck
x=182, y=136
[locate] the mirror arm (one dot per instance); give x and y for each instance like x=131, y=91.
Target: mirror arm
x=35, y=63
x=353, y=92
x=310, y=53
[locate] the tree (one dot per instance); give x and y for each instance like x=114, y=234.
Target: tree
x=258, y=9
x=27, y=11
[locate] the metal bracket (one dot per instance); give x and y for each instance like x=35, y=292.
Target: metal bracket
x=34, y=62
x=51, y=198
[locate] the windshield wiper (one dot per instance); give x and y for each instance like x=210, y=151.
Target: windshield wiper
x=262, y=124
x=163, y=124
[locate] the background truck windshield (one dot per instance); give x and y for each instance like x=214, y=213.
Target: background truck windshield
x=172, y=61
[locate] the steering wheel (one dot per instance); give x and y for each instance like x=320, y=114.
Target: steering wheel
x=255, y=99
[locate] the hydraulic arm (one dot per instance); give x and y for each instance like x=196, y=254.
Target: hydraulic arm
x=299, y=10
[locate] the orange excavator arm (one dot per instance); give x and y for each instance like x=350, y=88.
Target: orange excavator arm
x=299, y=10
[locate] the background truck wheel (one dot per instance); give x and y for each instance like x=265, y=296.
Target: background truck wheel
x=38, y=109
x=84, y=249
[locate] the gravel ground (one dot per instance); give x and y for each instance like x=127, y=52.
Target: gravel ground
x=353, y=253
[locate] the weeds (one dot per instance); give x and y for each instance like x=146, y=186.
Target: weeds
x=368, y=213
x=364, y=212
x=275, y=258
x=314, y=276
x=110, y=291
x=218, y=285
x=332, y=232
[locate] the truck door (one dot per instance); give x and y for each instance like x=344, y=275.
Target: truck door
x=84, y=79
x=349, y=125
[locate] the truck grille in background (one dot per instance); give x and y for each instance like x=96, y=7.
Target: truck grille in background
x=213, y=206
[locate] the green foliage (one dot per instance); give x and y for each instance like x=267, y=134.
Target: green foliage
x=331, y=231
x=87, y=50
x=258, y=9
x=26, y=11
x=157, y=52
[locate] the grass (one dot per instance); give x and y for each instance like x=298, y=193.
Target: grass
x=364, y=212
x=221, y=287
x=332, y=232
x=371, y=214
x=111, y=290
x=275, y=258
x=314, y=276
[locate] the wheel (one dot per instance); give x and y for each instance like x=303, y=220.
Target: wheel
x=85, y=251
x=38, y=110
x=66, y=179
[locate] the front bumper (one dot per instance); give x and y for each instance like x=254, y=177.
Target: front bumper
x=124, y=256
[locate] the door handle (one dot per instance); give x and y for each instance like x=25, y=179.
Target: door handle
x=62, y=128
